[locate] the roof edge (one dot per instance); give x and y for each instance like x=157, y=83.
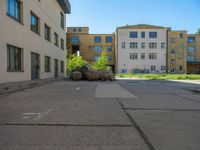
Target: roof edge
x=65, y=5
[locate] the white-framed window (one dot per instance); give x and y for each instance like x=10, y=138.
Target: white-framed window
x=133, y=55
x=152, y=56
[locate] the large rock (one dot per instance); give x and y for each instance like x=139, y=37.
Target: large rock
x=107, y=76
x=76, y=75
x=92, y=75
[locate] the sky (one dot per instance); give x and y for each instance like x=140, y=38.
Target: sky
x=103, y=16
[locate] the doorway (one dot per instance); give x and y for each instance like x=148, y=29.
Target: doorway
x=35, y=66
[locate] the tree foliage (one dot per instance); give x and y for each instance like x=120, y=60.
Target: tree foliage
x=74, y=62
x=198, y=32
x=102, y=62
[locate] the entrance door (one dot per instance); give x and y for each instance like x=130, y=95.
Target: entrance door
x=35, y=66
x=55, y=68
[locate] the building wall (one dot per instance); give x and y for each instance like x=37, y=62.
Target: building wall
x=124, y=62
x=177, y=52
x=20, y=35
x=86, y=44
x=194, y=66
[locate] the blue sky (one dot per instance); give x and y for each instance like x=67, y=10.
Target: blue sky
x=103, y=16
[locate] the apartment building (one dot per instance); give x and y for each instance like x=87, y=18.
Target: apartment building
x=193, y=53
x=177, y=51
x=141, y=49
x=32, y=39
x=90, y=46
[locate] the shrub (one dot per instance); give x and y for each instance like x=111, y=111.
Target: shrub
x=102, y=63
x=74, y=62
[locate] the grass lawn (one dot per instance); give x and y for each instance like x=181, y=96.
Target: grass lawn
x=162, y=76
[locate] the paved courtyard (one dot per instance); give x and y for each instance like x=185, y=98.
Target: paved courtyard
x=119, y=115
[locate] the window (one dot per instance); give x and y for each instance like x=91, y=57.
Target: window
x=152, y=45
x=172, y=61
x=133, y=45
x=14, y=58
x=180, y=68
x=142, y=45
x=124, y=70
x=152, y=34
x=108, y=48
x=133, y=55
x=172, y=40
x=62, y=20
x=97, y=39
x=96, y=58
x=162, y=45
x=191, y=39
x=123, y=45
x=74, y=39
x=62, y=44
x=181, y=46
x=109, y=39
x=35, y=23
x=142, y=34
x=56, y=39
x=74, y=29
x=133, y=34
x=191, y=58
x=79, y=30
x=62, y=66
x=14, y=9
x=97, y=49
x=47, y=64
x=47, y=32
x=181, y=35
x=109, y=58
x=172, y=51
x=191, y=49
x=152, y=56
x=163, y=68
x=142, y=55
x=153, y=68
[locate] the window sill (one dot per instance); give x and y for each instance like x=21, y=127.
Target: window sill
x=38, y=33
x=15, y=71
x=13, y=18
x=47, y=71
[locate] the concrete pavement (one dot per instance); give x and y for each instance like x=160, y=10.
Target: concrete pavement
x=119, y=115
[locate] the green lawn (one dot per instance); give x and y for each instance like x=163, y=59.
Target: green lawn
x=162, y=76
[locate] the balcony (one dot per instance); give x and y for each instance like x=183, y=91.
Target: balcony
x=65, y=5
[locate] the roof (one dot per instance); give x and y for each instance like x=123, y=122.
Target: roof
x=65, y=5
x=142, y=26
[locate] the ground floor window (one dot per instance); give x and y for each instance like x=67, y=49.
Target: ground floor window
x=163, y=68
x=14, y=58
x=153, y=68
x=47, y=64
x=62, y=66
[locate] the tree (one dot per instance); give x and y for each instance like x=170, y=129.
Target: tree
x=198, y=31
x=102, y=62
x=75, y=62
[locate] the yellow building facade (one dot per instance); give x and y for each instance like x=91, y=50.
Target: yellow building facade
x=177, y=51
x=90, y=46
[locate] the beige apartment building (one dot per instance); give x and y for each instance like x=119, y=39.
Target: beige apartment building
x=90, y=46
x=141, y=49
x=32, y=39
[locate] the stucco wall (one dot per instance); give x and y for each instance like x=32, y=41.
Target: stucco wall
x=123, y=55
x=20, y=35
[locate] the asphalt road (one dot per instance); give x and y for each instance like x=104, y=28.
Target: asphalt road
x=119, y=115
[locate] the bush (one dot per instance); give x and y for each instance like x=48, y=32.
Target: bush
x=75, y=62
x=102, y=63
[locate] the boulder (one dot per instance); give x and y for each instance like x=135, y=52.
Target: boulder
x=76, y=75
x=92, y=75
